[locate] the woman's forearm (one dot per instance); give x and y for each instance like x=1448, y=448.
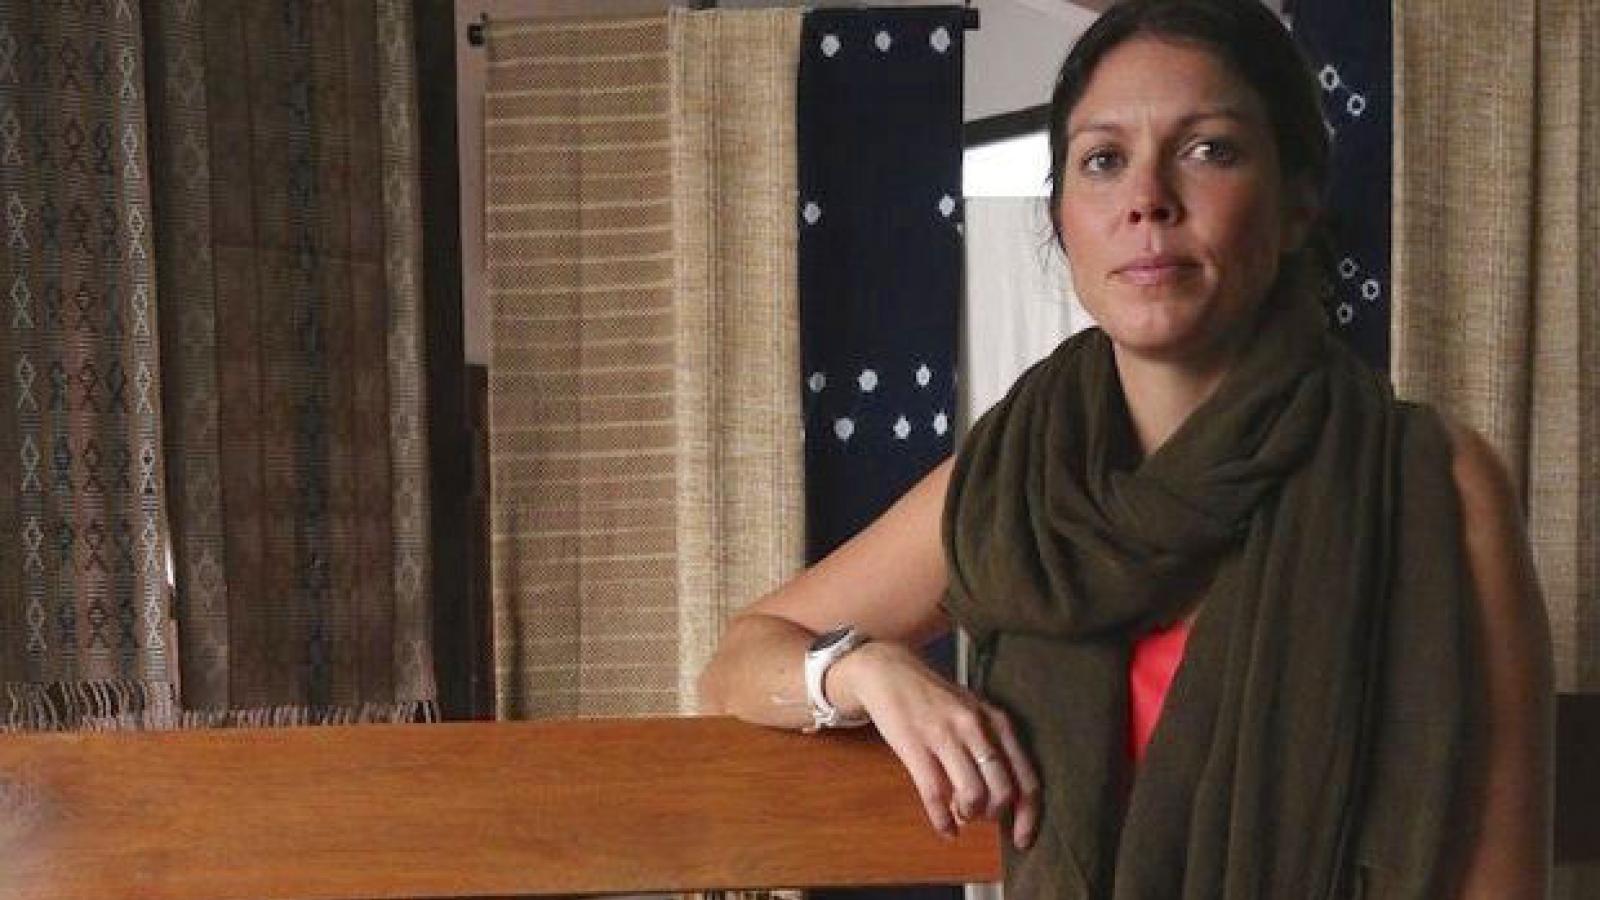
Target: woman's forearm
x=758, y=673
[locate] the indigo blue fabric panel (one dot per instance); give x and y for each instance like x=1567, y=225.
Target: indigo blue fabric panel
x=879, y=216
x=1350, y=47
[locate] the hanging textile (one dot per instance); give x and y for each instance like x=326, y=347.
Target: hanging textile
x=740, y=514
x=1348, y=43
x=880, y=256
x=1019, y=301
x=644, y=397
x=880, y=268
x=581, y=382
x=1496, y=278
x=285, y=169
x=85, y=628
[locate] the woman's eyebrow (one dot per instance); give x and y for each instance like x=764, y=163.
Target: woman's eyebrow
x=1185, y=121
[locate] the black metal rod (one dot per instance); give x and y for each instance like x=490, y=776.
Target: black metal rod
x=971, y=21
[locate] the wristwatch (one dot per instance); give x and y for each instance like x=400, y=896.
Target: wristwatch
x=827, y=649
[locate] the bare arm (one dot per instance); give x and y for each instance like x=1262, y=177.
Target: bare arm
x=887, y=580
x=1510, y=856
x=961, y=753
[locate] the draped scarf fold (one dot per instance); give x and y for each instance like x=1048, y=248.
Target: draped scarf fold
x=1318, y=733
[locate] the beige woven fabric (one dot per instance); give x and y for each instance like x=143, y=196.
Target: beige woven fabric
x=741, y=502
x=644, y=404
x=581, y=385
x=1497, y=216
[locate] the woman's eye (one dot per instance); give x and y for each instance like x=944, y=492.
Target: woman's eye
x=1099, y=162
x=1214, y=151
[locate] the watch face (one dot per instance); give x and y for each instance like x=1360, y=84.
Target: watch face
x=829, y=638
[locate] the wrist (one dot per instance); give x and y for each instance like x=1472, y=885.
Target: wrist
x=847, y=680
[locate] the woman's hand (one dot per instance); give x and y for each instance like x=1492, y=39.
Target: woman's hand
x=961, y=752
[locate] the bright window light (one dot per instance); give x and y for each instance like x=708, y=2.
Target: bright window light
x=1011, y=168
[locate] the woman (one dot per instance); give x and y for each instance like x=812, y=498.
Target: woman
x=1363, y=707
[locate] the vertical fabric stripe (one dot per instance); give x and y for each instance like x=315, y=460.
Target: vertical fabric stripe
x=1348, y=43
x=740, y=513
x=880, y=256
x=408, y=500
x=1497, y=215
x=583, y=436
x=287, y=169
x=84, y=618
x=879, y=213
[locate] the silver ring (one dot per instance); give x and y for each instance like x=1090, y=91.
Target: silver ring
x=986, y=758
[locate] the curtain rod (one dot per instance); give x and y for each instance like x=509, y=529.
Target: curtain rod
x=475, y=30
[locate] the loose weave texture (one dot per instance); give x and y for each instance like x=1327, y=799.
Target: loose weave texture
x=581, y=384
x=644, y=409
x=85, y=622
x=1497, y=282
x=741, y=526
x=286, y=165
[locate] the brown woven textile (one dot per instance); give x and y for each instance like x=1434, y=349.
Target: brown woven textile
x=1497, y=282
x=1307, y=748
x=85, y=628
x=741, y=504
x=286, y=175
x=581, y=383
x=644, y=410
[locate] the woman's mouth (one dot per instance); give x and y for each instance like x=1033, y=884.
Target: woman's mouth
x=1153, y=270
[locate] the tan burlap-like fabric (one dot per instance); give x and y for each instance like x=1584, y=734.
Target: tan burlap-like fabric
x=1496, y=319
x=741, y=501
x=581, y=383
x=644, y=420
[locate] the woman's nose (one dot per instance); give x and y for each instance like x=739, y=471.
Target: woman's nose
x=1152, y=200
x=1156, y=210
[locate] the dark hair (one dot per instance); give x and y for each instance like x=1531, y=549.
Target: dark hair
x=1244, y=35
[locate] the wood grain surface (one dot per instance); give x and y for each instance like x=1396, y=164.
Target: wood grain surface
x=462, y=810
x=512, y=809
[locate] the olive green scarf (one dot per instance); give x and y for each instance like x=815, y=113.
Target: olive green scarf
x=1316, y=736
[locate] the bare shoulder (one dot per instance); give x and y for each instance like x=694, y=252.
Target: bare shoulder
x=1496, y=544
x=1488, y=495
x=1510, y=856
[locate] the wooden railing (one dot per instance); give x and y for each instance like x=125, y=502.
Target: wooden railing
x=509, y=809
x=463, y=810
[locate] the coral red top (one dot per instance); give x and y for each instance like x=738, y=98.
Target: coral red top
x=1154, y=662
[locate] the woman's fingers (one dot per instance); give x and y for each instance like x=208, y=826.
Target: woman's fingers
x=1025, y=802
x=960, y=752
x=969, y=797
x=927, y=773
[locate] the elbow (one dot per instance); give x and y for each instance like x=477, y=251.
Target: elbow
x=708, y=694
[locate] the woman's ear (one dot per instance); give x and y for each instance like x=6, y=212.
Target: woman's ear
x=1300, y=212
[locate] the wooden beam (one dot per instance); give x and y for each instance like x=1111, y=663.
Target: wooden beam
x=463, y=810
x=523, y=809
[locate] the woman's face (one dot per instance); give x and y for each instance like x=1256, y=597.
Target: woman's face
x=1173, y=210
